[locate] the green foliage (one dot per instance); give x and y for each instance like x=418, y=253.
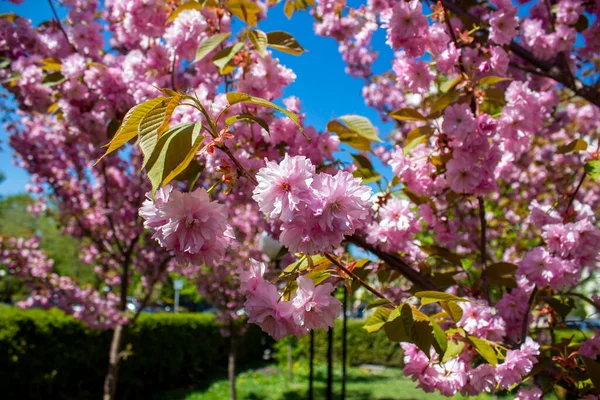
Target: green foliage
x=363, y=347
x=45, y=354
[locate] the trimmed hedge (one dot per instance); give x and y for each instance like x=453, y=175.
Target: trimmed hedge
x=362, y=347
x=46, y=354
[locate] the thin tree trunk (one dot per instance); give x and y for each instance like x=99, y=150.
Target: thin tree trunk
x=344, y=342
x=290, y=360
x=231, y=366
x=110, y=381
x=114, y=355
x=311, y=362
x=330, y=364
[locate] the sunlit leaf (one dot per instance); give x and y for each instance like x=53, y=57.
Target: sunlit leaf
x=367, y=175
x=246, y=10
x=407, y=114
x=575, y=145
x=190, y=5
x=238, y=97
x=129, y=126
x=454, y=310
x=377, y=321
x=209, y=45
x=259, y=40
x=492, y=80
x=285, y=42
x=348, y=136
x=55, y=78
x=222, y=58
x=172, y=153
x=484, y=349
x=400, y=324
x=592, y=168
x=361, y=125
x=430, y=296
x=248, y=117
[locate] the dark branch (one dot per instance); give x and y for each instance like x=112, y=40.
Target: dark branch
x=395, y=263
x=551, y=70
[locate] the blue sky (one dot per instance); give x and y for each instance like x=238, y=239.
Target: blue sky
x=322, y=85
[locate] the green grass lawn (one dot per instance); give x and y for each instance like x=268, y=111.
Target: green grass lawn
x=271, y=383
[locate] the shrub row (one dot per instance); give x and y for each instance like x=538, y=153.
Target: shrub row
x=48, y=355
x=362, y=347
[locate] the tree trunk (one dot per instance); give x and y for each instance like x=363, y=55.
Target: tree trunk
x=114, y=356
x=110, y=381
x=344, y=341
x=231, y=367
x=290, y=360
x=330, y=364
x=311, y=374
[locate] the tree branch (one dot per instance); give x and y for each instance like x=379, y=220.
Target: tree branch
x=395, y=263
x=483, y=245
x=60, y=26
x=551, y=70
x=359, y=280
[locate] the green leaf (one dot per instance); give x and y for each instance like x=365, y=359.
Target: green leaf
x=492, y=80
x=443, y=253
x=484, y=348
x=362, y=161
x=400, y=324
x=562, y=305
x=592, y=168
x=172, y=151
x=450, y=84
x=367, y=175
x=238, y=97
x=592, y=368
x=454, y=349
x=454, y=310
x=415, y=137
x=53, y=79
x=582, y=23
x=501, y=269
x=223, y=58
x=129, y=126
x=154, y=123
x=377, y=321
x=259, y=40
x=407, y=114
x=210, y=44
x=376, y=303
x=361, y=125
x=430, y=296
x=575, y=145
x=248, y=117
x=441, y=341
x=348, y=136
x=443, y=101
x=246, y=10
x=285, y=42
x=288, y=9
x=190, y=5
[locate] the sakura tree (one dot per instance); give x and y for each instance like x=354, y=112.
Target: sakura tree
x=482, y=238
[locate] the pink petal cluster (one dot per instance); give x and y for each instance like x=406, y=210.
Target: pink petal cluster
x=310, y=307
x=189, y=224
x=395, y=227
x=458, y=375
x=315, y=211
x=570, y=247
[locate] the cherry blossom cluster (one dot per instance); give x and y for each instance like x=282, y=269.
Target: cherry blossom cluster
x=315, y=210
x=572, y=244
x=310, y=307
x=189, y=224
x=457, y=375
